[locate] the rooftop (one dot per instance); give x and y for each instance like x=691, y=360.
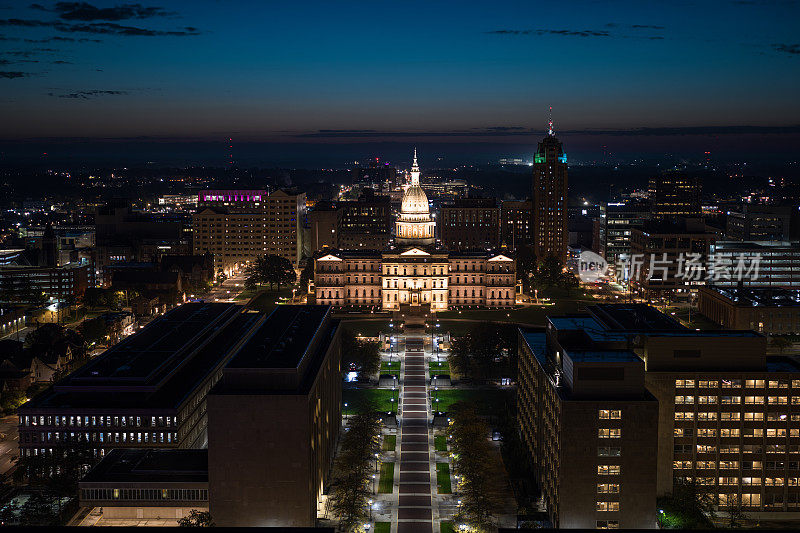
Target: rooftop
x=603, y=356
x=761, y=297
x=150, y=466
x=182, y=376
x=283, y=339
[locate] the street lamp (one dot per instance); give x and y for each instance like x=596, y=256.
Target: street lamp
x=376, y=462
x=373, y=482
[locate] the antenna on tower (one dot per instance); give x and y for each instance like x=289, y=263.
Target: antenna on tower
x=550, y=123
x=230, y=152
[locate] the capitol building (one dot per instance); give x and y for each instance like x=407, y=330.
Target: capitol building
x=413, y=271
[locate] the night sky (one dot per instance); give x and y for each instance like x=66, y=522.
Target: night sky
x=340, y=70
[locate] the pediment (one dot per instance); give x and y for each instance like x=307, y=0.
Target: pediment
x=415, y=252
x=500, y=258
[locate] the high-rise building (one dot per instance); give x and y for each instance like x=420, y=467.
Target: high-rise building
x=515, y=223
x=660, y=250
x=470, y=223
x=761, y=223
x=589, y=426
x=365, y=223
x=239, y=226
x=726, y=411
x=675, y=194
x=549, y=230
x=324, y=221
x=621, y=219
x=274, y=421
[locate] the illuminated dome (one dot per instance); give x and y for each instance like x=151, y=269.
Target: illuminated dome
x=415, y=201
x=414, y=226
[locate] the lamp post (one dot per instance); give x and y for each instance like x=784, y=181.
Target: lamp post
x=373, y=482
x=376, y=463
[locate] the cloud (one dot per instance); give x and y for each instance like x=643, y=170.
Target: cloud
x=10, y=74
x=60, y=39
x=793, y=49
x=647, y=27
x=515, y=131
x=105, y=28
x=570, y=33
x=85, y=12
x=86, y=95
x=61, y=62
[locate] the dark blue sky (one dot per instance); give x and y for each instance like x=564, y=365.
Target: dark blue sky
x=273, y=70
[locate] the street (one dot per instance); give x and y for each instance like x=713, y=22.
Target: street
x=228, y=290
x=9, y=447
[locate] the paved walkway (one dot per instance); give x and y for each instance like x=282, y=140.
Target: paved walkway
x=415, y=512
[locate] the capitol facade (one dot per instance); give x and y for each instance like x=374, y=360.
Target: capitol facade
x=414, y=271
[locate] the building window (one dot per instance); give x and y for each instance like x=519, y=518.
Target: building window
x=608, y=524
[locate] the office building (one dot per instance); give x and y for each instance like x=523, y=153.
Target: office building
x=549, y=230
x=515, y=223
x=365, y=223
x=659, y=252
x=470, y=223
x=675, y=194
x=239, y=226
x=589, y=426
x=324, y=221
x=123, y=235
x=772, y=311
x=755, y=222
x=274, y=420
x=148, y=391
x=621, y=219
x=44, y=284
x=414, y=271
x=727, y=419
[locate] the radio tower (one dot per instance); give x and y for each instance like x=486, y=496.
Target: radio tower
x=230, y=152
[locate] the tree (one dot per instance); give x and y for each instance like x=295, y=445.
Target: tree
x=272, y=269
x=307, y=274
x=39, y=511
x=480, y=353
x=350, y=487
x=94, y=330
x=197, y=519
x=472, y=460
x=359, y=355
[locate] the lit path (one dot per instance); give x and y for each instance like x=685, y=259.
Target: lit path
x=414, y=509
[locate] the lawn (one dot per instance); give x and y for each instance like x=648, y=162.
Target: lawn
x=442, y=367
x=392, y=368
x=440, y=442
x=443, y=478
x=446, y=527
x=382, y=527
x=389, y=443
x=489, y=401
x=386, y=481
x=380, y=399
x=268, y=300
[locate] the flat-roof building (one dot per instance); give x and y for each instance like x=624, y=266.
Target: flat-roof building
x=147, y=484
x=773, y=311
x=148, y=391
x=274, y=418
x=589, y=426
x=727, y=414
